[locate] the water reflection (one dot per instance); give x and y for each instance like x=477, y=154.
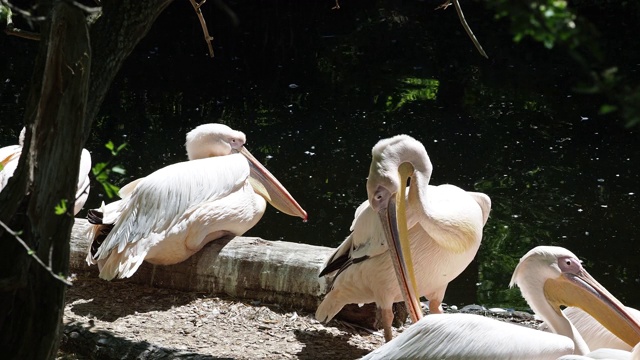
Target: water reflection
x=551, y=182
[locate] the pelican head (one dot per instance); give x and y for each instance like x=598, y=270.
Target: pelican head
x=394, y=161
x=214, y=139
x=209, y=140
x=551, y=277
x=387, y=158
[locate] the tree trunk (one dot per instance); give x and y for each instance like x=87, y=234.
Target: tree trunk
x=32, y=299
x=58, y=120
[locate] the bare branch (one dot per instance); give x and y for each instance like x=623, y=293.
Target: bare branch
x=12, y=30
x=32, y=253
x=208, y=38
x=466, y=27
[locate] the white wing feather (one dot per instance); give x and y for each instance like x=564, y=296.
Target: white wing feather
x=366, y=238
x=158, y=200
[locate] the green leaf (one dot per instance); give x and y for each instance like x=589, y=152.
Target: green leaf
x=607, y=108
x=110, y=189
x=61, y=208
x=98, y=168
x=118, y=169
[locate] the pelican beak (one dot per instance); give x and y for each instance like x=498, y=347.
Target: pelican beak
x=394, y=222
x=267, y=186
x=8, y=159
x=583, y=291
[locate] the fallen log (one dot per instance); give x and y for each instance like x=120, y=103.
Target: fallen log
x=279, y=272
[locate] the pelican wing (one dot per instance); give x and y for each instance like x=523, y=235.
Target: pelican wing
x=467, y=336
x=128, y=189
x=159, y=200
x=365, y=241
x=485, y=204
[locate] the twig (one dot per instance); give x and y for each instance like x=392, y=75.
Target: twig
x=208, y=38
x=26, y=14
x=11, y=29
x=466, y=27
x=32, y=253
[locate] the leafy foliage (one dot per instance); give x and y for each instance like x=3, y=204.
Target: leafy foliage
x=102, y=170
x=5, y=13
x=582, y=32
x=546, y=21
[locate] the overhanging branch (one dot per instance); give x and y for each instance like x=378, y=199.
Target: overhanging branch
x=207, y=38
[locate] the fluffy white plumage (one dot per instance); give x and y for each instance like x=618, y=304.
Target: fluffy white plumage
x=445, y=229
x=466, y=336
x=169, y=215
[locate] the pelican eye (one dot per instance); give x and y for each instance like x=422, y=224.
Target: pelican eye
x=569, y=264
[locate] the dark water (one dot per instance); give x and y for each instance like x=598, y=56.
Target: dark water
x=558, y=173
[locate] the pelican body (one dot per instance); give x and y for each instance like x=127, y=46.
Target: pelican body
x=10, y=155
x=549, y=277
x=169, y=215
x=443, y=225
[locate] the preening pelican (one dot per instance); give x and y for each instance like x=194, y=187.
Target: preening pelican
x=444, y=227
x=10, y=155
x=169, y=215
x=549, y=277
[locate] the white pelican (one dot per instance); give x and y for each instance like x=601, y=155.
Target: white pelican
x=444, y=229
x=549, y=277
x=169, y=215
x=10, y=155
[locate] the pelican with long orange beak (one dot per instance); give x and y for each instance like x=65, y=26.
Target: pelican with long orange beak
x=549, y=278
x=169, y=215
x=441, y=225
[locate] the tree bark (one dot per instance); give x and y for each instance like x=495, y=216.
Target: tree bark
x=58, y=120
x=32, y=299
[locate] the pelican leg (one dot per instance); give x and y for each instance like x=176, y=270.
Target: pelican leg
x=435, y=301
x=153, y=275
x=435, y=307
x=386, y=317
